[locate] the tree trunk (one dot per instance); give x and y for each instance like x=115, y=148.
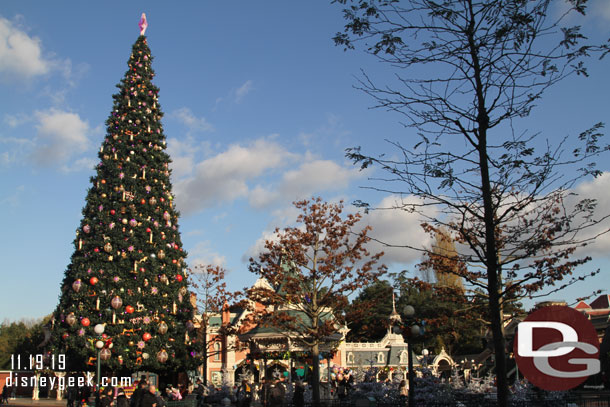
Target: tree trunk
x=491, y=248
x=493, y=268
x=315, y=356
x=205, y=355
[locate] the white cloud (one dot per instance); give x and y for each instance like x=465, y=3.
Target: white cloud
x=183, y=154
x=391, y=226
x=13, y=200
x=60, y=135
x=312, y=177
x=203, y=254
x=16, y=150
x=236, y=95
x=402, y=228
x=82, y=164
x=242, y=91
x=16, y=119
x=596, y=189
x=397, y=227
x=225, y=176
x=20, y=54
x=192, y=122
x=259, y=246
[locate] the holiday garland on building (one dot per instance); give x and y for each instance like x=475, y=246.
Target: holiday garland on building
x=128, y=269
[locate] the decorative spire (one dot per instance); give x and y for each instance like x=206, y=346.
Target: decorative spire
x=143, y=24
x=394, y=316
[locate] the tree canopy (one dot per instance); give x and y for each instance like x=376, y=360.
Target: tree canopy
x=312, y=268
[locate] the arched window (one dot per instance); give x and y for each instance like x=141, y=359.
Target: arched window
x=217, y=348
x=380, y=358
x=350, y=357
x=404, y=357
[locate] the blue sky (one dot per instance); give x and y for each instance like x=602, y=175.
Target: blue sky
x=259, y=108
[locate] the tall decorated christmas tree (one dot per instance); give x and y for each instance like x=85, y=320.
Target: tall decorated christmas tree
x=128, y=270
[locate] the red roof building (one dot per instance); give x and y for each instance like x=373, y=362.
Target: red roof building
x=598, y=312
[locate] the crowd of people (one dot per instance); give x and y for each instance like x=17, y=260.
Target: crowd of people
x=145, y=395
x=270, y=392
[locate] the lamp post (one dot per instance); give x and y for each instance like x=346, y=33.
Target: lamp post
x=99, y=344
x=409, y=313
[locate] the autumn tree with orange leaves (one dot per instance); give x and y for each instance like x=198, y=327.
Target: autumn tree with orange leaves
x=312, y=268
x=208, y=282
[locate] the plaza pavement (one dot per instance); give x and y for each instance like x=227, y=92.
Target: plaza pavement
x=28, y=402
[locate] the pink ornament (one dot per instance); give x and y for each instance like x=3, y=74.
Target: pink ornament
x=133, y=223
x=86, y=228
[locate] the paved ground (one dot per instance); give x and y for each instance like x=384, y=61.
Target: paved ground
x=28, y=402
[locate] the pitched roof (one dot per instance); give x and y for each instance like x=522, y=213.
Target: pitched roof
x=601, y=302
x=262, y=330
x=582, y=305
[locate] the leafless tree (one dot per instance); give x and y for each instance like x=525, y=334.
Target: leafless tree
x=467, y=71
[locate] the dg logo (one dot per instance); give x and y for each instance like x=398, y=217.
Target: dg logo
x=556, y=348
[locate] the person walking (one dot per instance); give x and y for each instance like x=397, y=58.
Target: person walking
x=121, y=399
x=244, y=394
x=107, y=397
x=149, y=397
x=276, y=394
x=138, y=393
x=298, y=397
x=403, y=392
x=5, y=393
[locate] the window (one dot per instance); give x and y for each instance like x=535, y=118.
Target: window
x=380, y=357
x=217, y=351
x=404, y=357
x=350, y=357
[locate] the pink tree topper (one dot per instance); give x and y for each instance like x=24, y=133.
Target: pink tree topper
x=143, y=24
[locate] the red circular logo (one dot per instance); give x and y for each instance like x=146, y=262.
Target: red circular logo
x=556, y=348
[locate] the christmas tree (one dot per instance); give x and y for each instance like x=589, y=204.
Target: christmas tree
x=128, y=269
